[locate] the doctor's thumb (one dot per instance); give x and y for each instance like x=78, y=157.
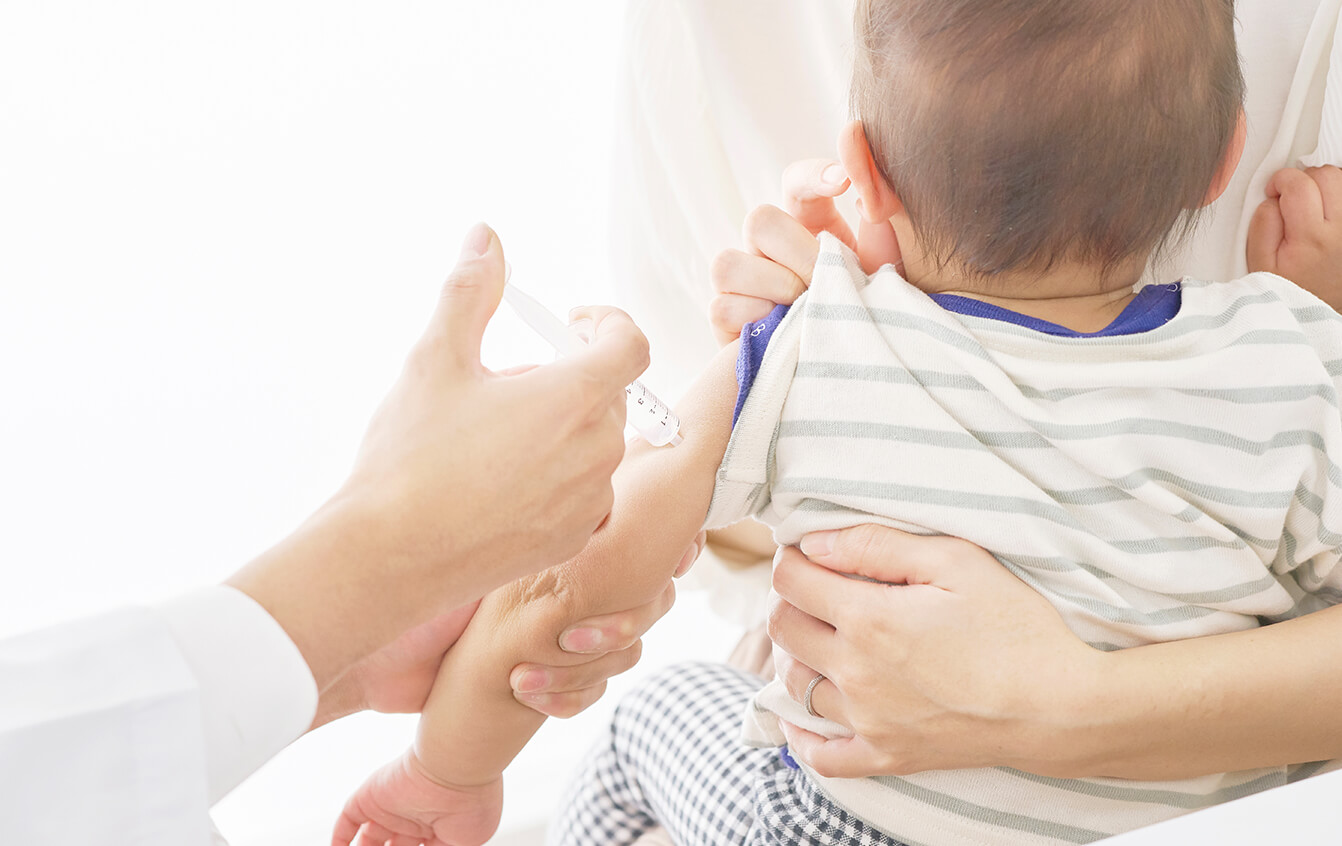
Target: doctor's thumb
x=470, y=296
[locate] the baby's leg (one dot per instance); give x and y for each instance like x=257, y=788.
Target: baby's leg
x=673, y=758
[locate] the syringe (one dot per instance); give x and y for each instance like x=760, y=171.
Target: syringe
x=650, y=417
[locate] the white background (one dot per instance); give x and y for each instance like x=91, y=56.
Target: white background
x=221, y=227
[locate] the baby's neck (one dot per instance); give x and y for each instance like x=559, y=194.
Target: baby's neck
x=1077, y=296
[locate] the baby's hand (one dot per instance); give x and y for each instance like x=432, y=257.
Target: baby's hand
x=400, y=805
x=1297, y=231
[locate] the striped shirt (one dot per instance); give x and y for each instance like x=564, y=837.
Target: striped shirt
x=1168, y=484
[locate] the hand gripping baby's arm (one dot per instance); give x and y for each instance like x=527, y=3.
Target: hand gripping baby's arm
x=472, y=725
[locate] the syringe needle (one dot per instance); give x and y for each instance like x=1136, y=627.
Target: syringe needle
x=650, y=417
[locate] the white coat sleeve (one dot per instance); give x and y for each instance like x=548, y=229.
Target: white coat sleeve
x=257, y=694
x=103, y=735
x=100, y=735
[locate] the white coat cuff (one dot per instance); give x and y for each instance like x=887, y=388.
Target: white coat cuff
x=257, y=693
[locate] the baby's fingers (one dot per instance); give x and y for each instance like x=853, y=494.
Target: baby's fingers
x=374, y=835
x=1300, y=200
x=1329, y=181
x=1266, y=231
x=346, y=829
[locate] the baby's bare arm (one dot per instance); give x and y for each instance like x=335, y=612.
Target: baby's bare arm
x=472, y=726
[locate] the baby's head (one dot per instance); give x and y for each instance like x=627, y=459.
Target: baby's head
x=1017, y=137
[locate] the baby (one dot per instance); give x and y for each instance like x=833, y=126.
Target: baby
x=1158, y=463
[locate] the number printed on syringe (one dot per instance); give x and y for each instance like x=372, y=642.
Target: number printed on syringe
x=651, y=417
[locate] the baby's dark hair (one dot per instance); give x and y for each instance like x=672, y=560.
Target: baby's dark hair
x=1023, y=133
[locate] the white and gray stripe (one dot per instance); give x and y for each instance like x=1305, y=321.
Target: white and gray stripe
x=1176, y=483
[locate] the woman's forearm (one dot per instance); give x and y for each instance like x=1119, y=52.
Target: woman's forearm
x=1237, y=701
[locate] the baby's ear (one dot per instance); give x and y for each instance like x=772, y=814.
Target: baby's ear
x=1229, y=162
x=878, y=200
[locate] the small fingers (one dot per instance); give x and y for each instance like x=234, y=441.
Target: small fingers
x=1329, y=180
x=1266, y=231
x=375, y=835
x=346, y=829
x=1300, y=200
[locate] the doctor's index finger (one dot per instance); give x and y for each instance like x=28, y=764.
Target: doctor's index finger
x=616, y=353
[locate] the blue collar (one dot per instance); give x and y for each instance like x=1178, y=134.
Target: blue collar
x=1153, y=307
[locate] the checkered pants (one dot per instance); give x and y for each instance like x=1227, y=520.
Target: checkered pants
x=673, y=757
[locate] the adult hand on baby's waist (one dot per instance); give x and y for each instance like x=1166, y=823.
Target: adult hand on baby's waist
x=946, y=660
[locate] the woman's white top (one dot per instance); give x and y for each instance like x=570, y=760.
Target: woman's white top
x=126, y=727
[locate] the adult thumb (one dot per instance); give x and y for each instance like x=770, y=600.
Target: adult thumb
x=470, y=296
x=877, y=552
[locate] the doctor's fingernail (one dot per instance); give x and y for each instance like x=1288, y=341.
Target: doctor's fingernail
x=818, y=543
x=584, y=329
x=477, y=241
x=580, y=640
x=834, y=175
x=531, y=681
x=532, y=699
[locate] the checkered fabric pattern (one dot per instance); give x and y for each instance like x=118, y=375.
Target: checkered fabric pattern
x=673, y=757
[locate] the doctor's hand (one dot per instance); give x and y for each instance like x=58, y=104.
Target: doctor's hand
x=466, y=479
x=945, y=661
x=1297, y=231
x=398, y=677
x=775, y=265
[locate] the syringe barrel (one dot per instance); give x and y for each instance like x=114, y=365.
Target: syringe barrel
x=650, y=417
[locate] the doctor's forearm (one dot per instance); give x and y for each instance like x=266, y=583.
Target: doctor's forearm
x=341, y=565
x=1258, y=698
